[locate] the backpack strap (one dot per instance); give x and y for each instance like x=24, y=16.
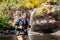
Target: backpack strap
x=21, y=22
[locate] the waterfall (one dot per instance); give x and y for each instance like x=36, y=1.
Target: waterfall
x=31, y=19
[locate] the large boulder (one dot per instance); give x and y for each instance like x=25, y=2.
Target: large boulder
x=44, y=24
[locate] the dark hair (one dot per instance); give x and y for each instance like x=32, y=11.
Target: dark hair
x=25, y=14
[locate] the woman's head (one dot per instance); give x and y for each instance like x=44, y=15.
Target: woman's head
x=24, y=15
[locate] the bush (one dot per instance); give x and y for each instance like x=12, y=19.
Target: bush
x=4, y=22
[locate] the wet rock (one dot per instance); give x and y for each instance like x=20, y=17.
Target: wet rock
x=44, y=24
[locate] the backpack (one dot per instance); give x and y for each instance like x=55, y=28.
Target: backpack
x=21, y=22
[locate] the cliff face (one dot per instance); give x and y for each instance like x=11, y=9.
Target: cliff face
x=48, y=21
x=49, y=7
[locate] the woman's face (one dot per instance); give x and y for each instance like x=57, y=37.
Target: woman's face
x=24, y=16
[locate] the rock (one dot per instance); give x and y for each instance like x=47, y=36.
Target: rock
x=8, y=37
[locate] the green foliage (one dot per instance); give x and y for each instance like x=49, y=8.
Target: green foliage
x=33, y=3
x=44, y=10
x=56, y=0
x=24, y=3
x=4, y=22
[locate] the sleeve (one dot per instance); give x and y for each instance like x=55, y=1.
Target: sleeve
x=27, y=23
x=17, y=23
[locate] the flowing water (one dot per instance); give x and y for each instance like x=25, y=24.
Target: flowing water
x=31, y=19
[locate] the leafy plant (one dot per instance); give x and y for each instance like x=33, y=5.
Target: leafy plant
x=4, y=22
x=44, y=10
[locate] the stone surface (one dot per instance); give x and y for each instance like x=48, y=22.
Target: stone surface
x=8, y=37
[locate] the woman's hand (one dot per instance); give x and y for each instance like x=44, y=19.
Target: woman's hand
x=29, y=26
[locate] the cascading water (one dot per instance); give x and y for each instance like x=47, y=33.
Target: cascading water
x=31, y=19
